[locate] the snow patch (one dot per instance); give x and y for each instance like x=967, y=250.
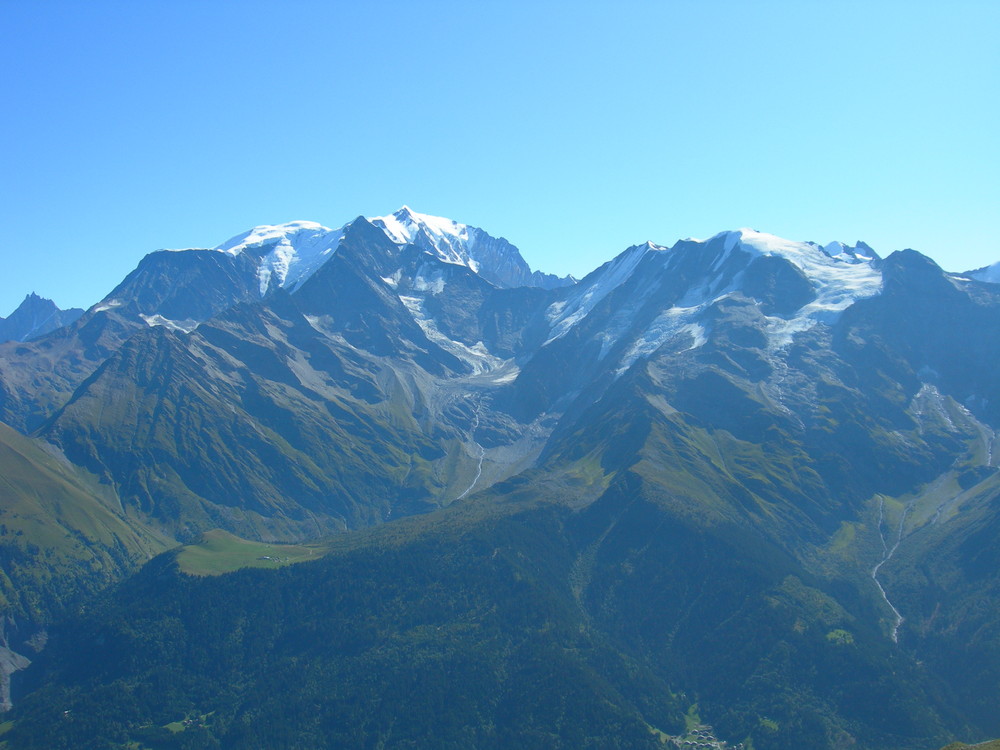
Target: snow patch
x=696, y=331
x=839, y=275
x=434, y=285
x=670, y=324
x=563, y=315
x=838, y=281
x=184, y=326
x=289, y=253
x=108, y=305
x=505, y=374
x=476, y=356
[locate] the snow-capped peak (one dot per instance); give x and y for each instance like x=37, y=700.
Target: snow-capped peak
x=807, y=256
x=403, y=225
x=289, y=253
x=493, y=258
x=840, y=275
x=450, y=241
x=267, y=234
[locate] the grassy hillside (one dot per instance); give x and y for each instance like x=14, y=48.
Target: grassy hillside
x=218, y=552
x=61, y=533
x=489, y=625
x=446, y=636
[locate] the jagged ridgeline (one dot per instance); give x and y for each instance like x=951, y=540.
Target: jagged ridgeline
x=737, y=491
x=35, y=317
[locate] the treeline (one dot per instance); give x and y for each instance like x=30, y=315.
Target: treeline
x=465, y=641
x=528, y=627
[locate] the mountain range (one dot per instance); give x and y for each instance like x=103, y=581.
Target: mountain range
x=742, y=481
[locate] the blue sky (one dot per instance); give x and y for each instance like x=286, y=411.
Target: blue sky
x=574, y=129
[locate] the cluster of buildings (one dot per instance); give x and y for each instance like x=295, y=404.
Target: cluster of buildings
x=702, y=737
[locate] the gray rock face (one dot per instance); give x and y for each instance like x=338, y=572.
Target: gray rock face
x=501, y=263
x=11, y=661
x=35, y=317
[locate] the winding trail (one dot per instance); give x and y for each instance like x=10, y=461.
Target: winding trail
x=887, y=555
x=482, y=453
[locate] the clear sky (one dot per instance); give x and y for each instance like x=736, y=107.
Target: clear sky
x=573, y=129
